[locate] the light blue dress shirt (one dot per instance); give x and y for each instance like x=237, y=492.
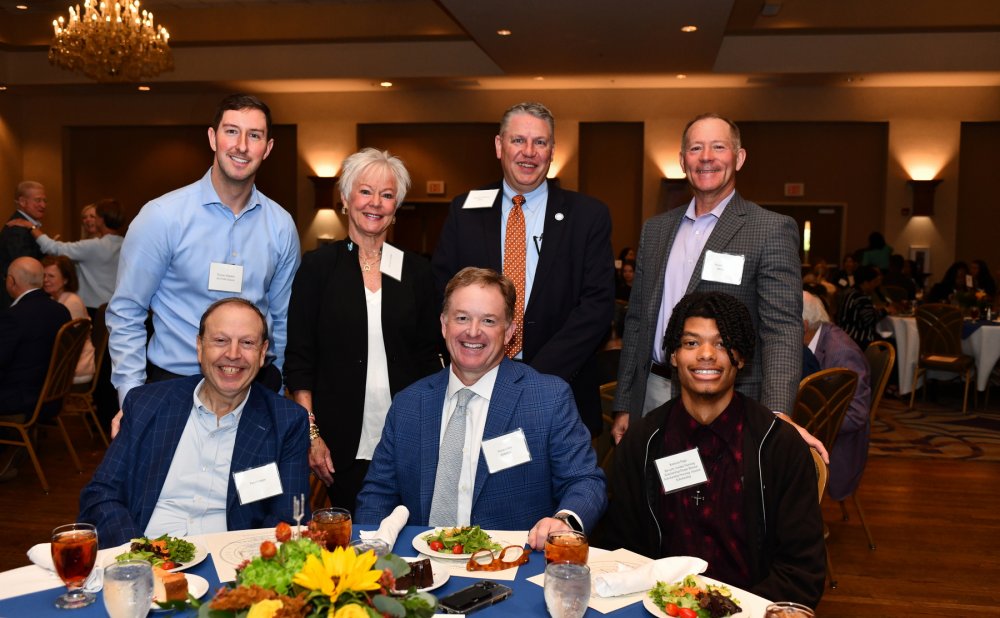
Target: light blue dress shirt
x=688, y=244
x=96, y=264
x=193, y=498
x=534, y=225
x=165, y=262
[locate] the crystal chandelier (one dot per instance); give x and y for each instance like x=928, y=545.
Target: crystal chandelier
x=111, y=42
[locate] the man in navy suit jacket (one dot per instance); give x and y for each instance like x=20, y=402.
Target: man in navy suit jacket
x=170, y=471
x=569, y=300
x=548, y=481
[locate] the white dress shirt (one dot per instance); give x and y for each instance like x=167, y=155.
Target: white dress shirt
x=377, y=393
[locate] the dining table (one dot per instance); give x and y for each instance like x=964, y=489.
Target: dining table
x=980, y=340
x=31, y=590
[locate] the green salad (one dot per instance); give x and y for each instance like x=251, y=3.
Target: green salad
x=692, y=597
x=277, y=574
x=465, y=540
x=166, y=552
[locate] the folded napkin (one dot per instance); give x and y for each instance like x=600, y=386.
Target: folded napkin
x=389, y=529
x=41, y=556
x=645, y=577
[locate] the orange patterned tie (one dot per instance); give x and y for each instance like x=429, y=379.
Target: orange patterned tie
x=514, y=260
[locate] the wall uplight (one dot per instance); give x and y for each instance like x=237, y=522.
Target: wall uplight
x=326, y=191
x=923, y=197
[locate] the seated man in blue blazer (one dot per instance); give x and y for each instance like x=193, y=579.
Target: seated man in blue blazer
x=204, y=454
x=517, y=456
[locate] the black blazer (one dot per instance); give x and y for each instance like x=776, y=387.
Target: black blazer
x=15, y=242
x=327, y=351
x=27, y=333
x=572, y=299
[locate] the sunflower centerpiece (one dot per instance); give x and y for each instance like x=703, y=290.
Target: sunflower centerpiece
x=303, y=579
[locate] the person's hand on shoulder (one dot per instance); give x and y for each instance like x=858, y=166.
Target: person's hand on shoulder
x=620, y=426
x=810, y=439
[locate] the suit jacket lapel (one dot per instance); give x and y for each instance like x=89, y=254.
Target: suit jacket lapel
x=553, y=232
x=431, y=406
x=252, y=447
x=662, y=245
x=490, y=221
x=732, y=219
x=499, y=417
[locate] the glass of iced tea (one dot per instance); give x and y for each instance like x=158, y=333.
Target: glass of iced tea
x=74, y=551
x=566, y=546
x=336, y=523
x=787, y=609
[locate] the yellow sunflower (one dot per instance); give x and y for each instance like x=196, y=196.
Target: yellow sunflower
x=350, y=611
x=267, y=608
x=338, y=572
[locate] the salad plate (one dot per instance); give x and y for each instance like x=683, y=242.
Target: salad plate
x=197, y=587
x=200, y=553
x=752, y=606
x=423, y=547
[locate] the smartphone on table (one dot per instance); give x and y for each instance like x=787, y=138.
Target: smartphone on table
x=477, y=596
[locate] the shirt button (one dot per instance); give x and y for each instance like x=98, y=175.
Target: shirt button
x=235, y=254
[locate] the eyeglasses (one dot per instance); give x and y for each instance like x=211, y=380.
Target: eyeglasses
x=509, y=557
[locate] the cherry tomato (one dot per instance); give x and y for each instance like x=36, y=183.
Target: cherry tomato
x=283, y=532
x=457, y=549
x=168, y=564
x=672, y=610
x=268, y=550
x=436, y=545
x=687, y=613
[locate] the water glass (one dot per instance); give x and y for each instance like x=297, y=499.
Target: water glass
x=787, y=609
x=128, y=589
x=74, y=551
x=567, y=589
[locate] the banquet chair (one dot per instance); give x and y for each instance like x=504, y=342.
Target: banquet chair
x=880, y=355
x=822, y=402
x=604, y=444
x=81, y=402
x=58, y=381
x=940, y=330
x=822, y=474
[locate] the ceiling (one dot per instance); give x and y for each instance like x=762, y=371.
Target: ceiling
x=353, y=45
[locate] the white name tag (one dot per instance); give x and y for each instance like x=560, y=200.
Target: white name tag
x=392, y=262
x=722, y=268
x=506, y=451
x=258, y=483
x=481, y=199
x=225, y=277
x=681, y=471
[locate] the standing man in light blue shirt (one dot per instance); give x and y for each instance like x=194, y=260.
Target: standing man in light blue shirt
x=215, y=238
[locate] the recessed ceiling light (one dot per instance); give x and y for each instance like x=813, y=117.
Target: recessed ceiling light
x=504, y=32
x=385, y=84
x=681, y=76
x=539, y=78
x=144, y=89
x=2, y=88
x=21, y=7
x=689, y=28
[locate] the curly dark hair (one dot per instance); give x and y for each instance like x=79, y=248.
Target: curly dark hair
x=730, y=315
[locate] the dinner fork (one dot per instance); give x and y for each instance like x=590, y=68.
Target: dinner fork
x=298, y=512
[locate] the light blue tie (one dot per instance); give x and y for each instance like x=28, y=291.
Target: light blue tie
x=444, y=504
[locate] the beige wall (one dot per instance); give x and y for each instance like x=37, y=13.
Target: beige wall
x=924, y=127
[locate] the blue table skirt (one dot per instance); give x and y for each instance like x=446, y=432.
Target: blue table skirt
x=527, y=599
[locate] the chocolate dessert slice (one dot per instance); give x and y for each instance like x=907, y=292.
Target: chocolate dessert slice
x=421, y=575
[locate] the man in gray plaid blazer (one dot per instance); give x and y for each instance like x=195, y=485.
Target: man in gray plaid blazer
x=724, y=243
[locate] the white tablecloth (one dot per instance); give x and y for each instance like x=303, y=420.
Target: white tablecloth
x=983, y=345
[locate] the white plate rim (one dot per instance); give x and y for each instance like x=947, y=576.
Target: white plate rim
x=200, y=553
x=752, y=605
x=254, y=539
x=441, y=577
x=421, y=545
x=195, y=583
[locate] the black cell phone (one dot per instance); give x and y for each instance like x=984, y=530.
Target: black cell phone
x=477, y=596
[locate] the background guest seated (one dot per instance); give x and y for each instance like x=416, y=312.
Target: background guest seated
x=60, y=283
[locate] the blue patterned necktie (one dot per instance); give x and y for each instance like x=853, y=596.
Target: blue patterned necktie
x=444, y=504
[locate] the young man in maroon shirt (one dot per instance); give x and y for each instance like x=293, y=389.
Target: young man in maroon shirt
x=714, y=474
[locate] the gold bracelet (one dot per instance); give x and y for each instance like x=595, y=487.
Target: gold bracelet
x=313, y=432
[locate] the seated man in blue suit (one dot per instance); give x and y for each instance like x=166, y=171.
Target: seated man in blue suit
x=204, y=454
x=518, y=456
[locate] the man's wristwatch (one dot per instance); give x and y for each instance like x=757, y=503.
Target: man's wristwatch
x=569, y=520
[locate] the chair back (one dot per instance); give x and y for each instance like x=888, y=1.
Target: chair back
x=822, y=402
x=62, y=364
x=940, y=329
x=604, y=444
x=881, y=356
x=822, y=472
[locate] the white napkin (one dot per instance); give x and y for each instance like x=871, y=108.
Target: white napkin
x=389, y=529
x=41, y=556
x=645, y=577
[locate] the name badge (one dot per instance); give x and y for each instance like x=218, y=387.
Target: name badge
x=722, y=268
x=392, y=262
x=681, y=471
x=258, y=483
x=481, y=199
x=506, y=451
x=225, y=277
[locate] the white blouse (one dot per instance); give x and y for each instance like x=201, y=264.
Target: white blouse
x=377, y=394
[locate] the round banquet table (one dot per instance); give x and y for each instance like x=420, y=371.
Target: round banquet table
x=527, y=599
